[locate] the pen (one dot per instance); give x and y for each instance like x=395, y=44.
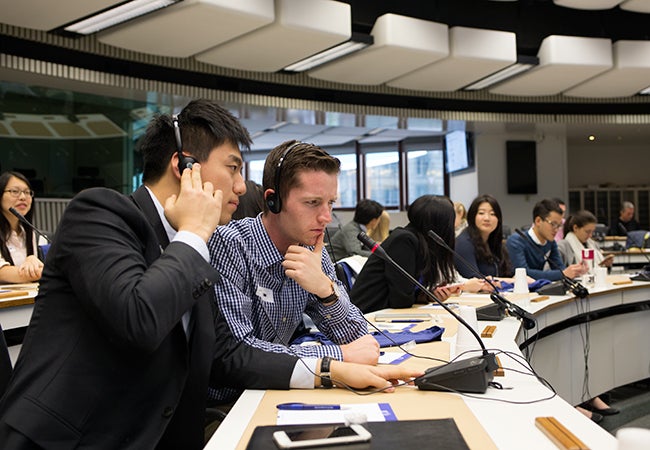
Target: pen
x=406, y=320
x=306, y=407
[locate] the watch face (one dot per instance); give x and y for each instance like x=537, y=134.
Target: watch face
x=337, y=291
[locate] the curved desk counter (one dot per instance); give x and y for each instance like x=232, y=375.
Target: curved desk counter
x=486, y=421
x=614, y=322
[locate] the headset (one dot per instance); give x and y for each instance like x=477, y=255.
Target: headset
x=273, y=201
x=184, y=162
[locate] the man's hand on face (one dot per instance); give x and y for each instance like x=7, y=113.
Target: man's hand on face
x=305, y=268
x=197, y=207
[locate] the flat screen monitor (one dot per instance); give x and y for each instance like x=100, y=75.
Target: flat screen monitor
x=521, y=160
x=459, y=151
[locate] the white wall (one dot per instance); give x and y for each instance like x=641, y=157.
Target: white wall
x=490, y=152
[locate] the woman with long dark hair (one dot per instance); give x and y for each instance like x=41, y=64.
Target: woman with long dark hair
x=481, y=243
x=19, y=262
x=379, y=285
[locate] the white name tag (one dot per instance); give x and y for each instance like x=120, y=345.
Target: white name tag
x=265, y=294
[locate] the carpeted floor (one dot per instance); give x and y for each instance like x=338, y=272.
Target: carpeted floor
x=633, y=400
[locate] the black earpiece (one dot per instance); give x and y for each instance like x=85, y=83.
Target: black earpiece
x=273, y=201
x=184, y=162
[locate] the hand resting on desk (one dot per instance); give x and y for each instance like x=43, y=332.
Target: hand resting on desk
x=364, y=350
x=361, y=376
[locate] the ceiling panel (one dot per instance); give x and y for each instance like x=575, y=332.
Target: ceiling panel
x=401, y=45
x=641, y=6
x=189, y=27
x=588, y=4
x=301, y=29
x=630, y=74
x=564, y=62
x=473, y=54
x=42, y=15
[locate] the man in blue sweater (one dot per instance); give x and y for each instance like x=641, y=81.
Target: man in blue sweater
x=547, y=219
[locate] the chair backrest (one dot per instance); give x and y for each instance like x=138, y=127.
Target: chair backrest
x=5, y=363
x=638, y=239
x=345, y=274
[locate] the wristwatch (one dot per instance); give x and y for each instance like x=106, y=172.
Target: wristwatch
x=325, y=374
x=334, y=296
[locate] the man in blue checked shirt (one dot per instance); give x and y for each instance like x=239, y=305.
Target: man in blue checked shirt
x=274, y=267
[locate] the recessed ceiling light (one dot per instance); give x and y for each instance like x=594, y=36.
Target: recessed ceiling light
x=592, y=137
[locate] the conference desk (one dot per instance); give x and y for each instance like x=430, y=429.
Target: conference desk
x=16, y=306
x=618, y=316
x=629, y=257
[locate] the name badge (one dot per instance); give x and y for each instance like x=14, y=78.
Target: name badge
x=265, y=294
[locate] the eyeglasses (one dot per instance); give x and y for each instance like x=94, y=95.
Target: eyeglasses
x=555, y=225
x=15, y=193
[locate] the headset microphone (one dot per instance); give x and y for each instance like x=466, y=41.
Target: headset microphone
x=468, y=375
x=184, y=162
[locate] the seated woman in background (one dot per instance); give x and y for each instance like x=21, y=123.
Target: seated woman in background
x=481, y=243
x=460, y=223
x=19, y=262
x=380, y=285
x=578, y=230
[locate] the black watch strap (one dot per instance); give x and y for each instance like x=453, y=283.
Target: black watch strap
x=330, y=298
x=325, y=374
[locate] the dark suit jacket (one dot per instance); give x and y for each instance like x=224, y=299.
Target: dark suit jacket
x=106, y=362
x=379, y=285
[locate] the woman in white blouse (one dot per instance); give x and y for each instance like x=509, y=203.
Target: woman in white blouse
x=19, y=262
x=578, y=230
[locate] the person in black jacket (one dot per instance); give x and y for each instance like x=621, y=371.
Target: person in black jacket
x=379, y=285
x=125, y=334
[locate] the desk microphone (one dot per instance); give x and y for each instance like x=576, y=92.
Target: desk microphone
x=527, y=319
x=622, y=228
x=22, y=219
x=468, y=375
x=575, y=287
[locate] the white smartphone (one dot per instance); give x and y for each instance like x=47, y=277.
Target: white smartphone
x=321, y=435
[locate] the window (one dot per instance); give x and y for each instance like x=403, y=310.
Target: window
x=382, y=178
x=347, y=181
x=425, y=170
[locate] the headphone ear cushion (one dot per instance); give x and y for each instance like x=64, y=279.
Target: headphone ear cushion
x=272, y=203
x=186, y=162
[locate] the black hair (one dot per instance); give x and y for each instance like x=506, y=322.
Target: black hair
x=204, y=125
x=545, y=207
x=434, y=212
x=5, y=226
x=251, y=203
x=367, y=210
x=579, y=219
x=493, y=251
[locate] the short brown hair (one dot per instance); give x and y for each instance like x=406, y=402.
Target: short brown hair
x=301, y=157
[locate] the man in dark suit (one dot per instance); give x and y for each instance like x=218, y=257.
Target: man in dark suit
x=121, y=342
x=125, y=336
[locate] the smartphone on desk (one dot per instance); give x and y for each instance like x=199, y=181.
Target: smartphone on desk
x=321, y=435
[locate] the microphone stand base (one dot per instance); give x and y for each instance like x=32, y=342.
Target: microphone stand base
x=466, y=375
x=493, y=312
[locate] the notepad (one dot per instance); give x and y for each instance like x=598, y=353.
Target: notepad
x=374, y=412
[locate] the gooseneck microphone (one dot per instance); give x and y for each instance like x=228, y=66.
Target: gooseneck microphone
x=575, y=287
x=468, y=375
x=22, y=219
x=527, y=319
